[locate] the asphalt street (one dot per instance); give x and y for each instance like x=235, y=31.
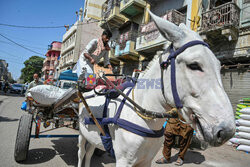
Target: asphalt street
x=63, y=151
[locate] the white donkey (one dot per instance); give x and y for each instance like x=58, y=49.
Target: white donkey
x=205, y=104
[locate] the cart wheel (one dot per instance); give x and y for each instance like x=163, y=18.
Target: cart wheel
x=23, y=138
x=37, y=131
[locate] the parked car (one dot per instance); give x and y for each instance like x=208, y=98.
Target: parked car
x=16, y=88
x=64, y=84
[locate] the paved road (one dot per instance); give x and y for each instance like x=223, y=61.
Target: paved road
x=63, y=151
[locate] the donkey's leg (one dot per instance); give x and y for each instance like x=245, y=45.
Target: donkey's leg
x=89, y=152
x=123, y=162
x=81, y=150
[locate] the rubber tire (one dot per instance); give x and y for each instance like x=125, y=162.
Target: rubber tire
x=23, y=138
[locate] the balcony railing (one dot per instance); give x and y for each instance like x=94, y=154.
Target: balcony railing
x=150, y=31
x=126, y=36
x=225, y=15
x=48, y=58
x=108, y=7
x=111, y=14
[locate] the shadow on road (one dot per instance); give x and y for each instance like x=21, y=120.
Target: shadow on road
x=191, y=157
x=11, y=94
x=40, y=155
x=67, y=149
x=6, y=119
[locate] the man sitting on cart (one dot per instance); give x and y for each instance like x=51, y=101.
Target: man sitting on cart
x=93, y=52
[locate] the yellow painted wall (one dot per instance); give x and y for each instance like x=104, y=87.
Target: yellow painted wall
x=195, y=18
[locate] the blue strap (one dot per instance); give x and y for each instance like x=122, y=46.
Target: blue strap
x=129, y=126
x=139, y=130
x=171, y=58
x=118, y=113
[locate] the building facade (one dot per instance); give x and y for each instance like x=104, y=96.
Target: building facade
x=225, y=26
x=75, y=40
x=3, y=70
x=135, y=36
x=52, y=56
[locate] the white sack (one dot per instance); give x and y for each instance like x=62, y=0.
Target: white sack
x=243, y=148
x=241, y=122
x=245, y=116
x=243, y=129
x=245, y=110
x=47, y=94
x=243, y=135
x=240, y=141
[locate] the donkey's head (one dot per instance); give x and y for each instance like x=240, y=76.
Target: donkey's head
x=205, y=104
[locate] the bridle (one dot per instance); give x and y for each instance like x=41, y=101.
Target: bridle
x=171, y=61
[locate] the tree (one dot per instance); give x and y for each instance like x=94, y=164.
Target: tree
x=33, y=65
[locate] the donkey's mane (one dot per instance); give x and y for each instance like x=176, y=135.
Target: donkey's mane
x=150, y=64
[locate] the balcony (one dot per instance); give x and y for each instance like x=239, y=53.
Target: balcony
x=111, y=15
x=46, y=68
x=51, y=67
x=221, y=21
x=131, y=8
x=53, y=58
x=125, y=48
x=48, y=58
x=149, y=39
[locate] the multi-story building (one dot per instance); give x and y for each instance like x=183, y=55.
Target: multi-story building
x=225, y=25
x=76, y=39
x=3, y=70
x=135, y=35
x=51, y=59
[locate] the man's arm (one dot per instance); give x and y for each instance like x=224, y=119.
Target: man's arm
x=88, y=49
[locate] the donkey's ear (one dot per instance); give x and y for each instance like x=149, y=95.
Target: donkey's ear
x=169, y=30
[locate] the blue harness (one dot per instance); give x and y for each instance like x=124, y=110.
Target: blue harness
x=129, y=126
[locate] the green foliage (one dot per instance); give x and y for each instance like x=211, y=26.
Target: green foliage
x=33, y=65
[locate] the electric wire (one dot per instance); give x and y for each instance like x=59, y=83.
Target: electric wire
x=21, y=45
x=45, y=27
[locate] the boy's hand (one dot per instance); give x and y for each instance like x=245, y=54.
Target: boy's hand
x=92, y=61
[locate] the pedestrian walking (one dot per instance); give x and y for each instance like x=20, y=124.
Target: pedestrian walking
x=175, y=128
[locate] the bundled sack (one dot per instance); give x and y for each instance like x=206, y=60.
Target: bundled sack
x=245, y=116
x=245, y=110
x=243, y=129
x=240, y=141
x=243, y=148
x=241, y=122
x=47, y=94
x=243, y=135
x=242, y=106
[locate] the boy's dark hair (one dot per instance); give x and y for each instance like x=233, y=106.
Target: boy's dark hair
x=107, y=33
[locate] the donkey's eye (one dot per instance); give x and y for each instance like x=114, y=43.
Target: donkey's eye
x=195, y=66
